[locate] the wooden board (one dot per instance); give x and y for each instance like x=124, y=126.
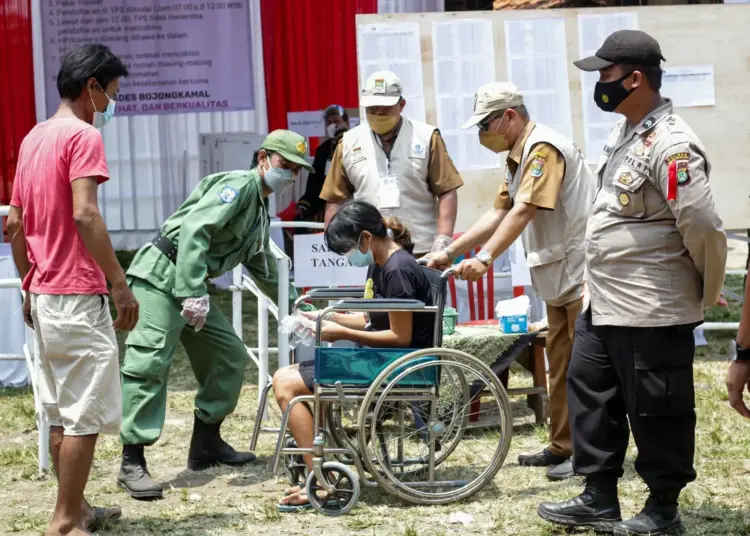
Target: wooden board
x=709, y=34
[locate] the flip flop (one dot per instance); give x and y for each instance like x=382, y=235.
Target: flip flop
x=100, y=516
x=293, y=508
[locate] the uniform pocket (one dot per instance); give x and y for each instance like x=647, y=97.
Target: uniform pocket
x=664, y=373
x=549, y=271
x=627, y=193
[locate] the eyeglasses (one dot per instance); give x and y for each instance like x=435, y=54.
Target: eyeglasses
x=484, y=124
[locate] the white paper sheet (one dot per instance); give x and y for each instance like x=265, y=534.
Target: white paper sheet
x=537, y=64
x=396, y=48
x=689, y=86
x=592, y=31
x=307, y=124
x=463, y=59
x=519, y=270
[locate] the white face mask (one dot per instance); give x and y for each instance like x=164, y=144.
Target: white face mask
x=102, y=118
x=331, y=130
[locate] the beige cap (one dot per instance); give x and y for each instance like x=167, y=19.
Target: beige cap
x=492, y=98
x=383, y=88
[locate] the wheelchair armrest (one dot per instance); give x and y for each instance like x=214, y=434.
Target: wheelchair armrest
x=336, y=293
x=379, y=305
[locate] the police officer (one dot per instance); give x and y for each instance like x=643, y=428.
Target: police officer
x=545, y=198
x=655, y=256
x=397, y=164
x=224, y=222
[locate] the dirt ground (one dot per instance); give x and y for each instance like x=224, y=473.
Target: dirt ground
x=232, y=502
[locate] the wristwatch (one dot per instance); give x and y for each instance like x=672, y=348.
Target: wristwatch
x=484, y=257
x=739, y=353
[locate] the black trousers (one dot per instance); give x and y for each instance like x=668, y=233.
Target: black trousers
x=643, y=376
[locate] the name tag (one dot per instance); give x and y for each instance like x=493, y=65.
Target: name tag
x=418, y=151
x=636, y=164
x=357, y=154
x=328, y=166
x=389, y=195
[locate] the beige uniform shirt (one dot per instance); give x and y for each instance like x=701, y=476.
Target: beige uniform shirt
x=655, y=245
x=442, y=174
x=541, y=191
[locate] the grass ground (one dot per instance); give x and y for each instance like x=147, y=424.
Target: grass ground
x=233, y=502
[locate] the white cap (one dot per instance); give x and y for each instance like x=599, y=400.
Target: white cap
x=492, y=98
x=383, y=88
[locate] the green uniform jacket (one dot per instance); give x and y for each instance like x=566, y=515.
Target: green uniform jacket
x=223, y=223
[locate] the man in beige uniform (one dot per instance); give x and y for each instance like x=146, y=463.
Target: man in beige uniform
x=397, y=164
x=545, y=198
x=655, y=256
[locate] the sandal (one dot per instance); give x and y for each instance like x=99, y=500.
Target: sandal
x=99, y=516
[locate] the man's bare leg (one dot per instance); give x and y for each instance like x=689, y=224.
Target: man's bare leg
x=72, y=457
x=87, y=511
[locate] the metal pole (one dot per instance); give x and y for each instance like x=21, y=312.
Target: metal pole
x=716, y=326
x=262, y=344
x=283, y=305
x=237, y=300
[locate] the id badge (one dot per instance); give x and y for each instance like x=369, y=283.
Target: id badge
x=388, y=193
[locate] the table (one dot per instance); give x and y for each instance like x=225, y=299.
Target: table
x=499, y=350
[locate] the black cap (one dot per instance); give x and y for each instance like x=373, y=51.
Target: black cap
x=624, y=46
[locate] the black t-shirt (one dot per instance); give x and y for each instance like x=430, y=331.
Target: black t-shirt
x=402, y=278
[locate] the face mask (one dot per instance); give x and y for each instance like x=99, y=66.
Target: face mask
x=277, y=179
x=331, y=130
x=609, y=95
x=493, y=141
x=382, y=124
x=102, y=118
x=359, y=259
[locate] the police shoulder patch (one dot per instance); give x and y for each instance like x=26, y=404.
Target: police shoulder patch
x=228, y=194
x=539, y=154
x=537, y=167
x=683, y=155
x=683, y=175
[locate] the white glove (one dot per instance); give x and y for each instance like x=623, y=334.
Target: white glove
x=441, y=242
x=196, y=311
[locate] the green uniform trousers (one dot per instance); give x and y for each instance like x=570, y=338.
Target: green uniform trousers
x=217, y=356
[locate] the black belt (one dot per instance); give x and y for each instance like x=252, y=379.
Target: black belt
x=165, y=245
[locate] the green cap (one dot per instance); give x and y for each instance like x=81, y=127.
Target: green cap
x=290, y=145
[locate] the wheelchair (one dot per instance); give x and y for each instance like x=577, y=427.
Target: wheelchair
x=428, y=426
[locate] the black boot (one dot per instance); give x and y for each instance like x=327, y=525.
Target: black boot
x=208, y=449
x=134, y=477
x=658, y=517
x=545, y=458
x=597, y=507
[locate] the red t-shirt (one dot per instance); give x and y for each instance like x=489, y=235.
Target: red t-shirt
x=54, y=154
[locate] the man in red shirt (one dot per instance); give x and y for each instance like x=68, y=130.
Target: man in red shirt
x=63, y=253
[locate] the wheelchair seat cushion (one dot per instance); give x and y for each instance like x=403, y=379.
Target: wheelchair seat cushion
x=360, y=366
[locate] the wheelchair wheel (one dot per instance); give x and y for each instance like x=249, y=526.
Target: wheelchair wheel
x=453, y=431
x=345, y=494
x=342, y=431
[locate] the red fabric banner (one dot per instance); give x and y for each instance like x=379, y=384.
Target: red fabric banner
x=17, y=108
x=310, y=55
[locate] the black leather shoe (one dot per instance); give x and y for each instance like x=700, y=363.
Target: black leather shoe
x=591, y=509
x=562, y=471
x=208, y=449
x=540, y=459
x=134, y=477
x=658, y=517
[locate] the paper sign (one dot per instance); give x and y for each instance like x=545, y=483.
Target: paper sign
x=519, y=270
x=316, y=266
x=689, y=86
x=307, y=124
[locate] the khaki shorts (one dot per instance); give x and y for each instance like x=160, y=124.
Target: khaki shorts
x=79, y=372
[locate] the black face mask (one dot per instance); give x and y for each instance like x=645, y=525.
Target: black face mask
x=609, y=95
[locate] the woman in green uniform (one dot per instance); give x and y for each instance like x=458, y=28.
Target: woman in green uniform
x=223, y=223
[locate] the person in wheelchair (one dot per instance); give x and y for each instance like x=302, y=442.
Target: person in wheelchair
x=360, y=232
